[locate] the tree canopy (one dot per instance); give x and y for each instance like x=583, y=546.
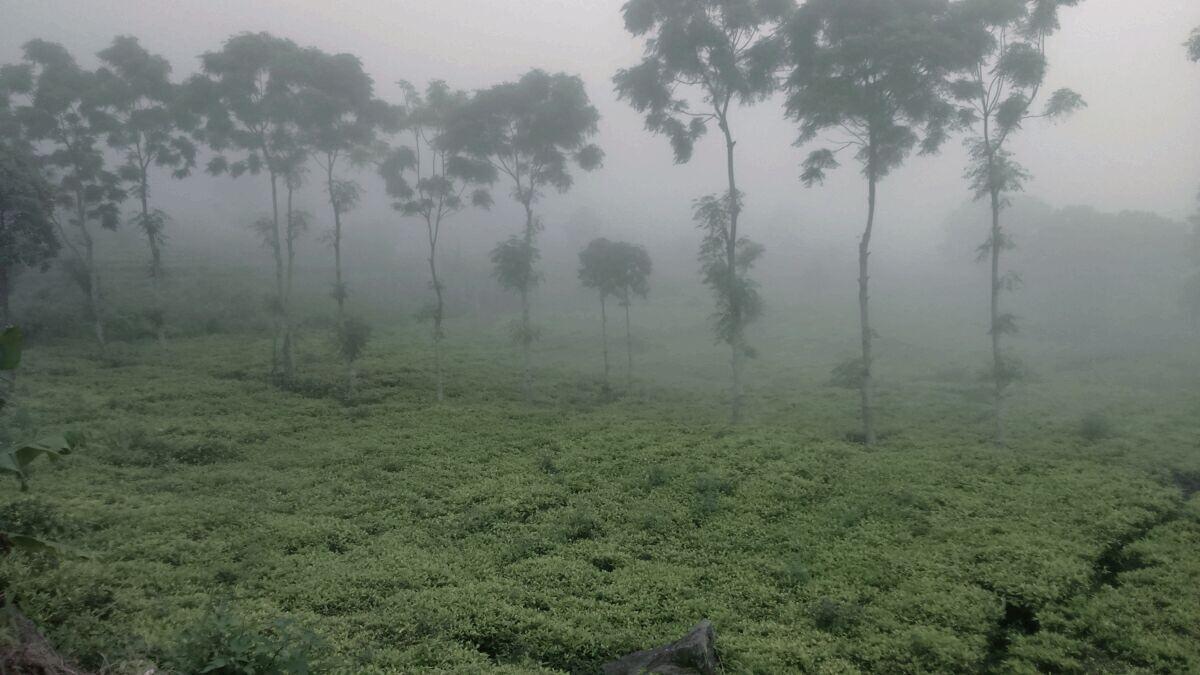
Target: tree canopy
x=63, y=111
x=872, y=72
x=428, y=176
x=531, y=131
x=150, y=125
x=722, y=50
x=250, y=93
x=27, y=234
x=615, y=269
x=149, y=121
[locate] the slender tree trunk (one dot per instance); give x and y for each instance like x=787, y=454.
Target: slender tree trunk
x=864, y=311
x=277, y=250
x=526, y=318
x=339, y=287
x=339, y=284
x=604, y=335
x=998, y=366
x=628, y=349
x=156, y=267
x=737, y=339
x=438, y=314
x=93, y=275
x=289, y=366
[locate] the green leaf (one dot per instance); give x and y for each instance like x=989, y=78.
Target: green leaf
x=11, y=342
x=16, y=459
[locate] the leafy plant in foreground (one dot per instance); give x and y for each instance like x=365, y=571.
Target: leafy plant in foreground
x=226, y=644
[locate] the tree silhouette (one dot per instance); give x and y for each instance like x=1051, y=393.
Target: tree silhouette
x=27, y=234
x=872, y=72
x=530, y=131
x=998, y=89
x=63, y=114
x=429, y=180
x=1191, y=288
x=151, y=127
x=721, y=52
x=27, y=237
x=615, y=270
x=249, y=94
x=340, y=119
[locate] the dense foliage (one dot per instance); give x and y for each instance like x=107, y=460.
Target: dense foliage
x=593, y=527
x=327, y=517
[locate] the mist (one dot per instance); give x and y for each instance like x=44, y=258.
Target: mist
x=509, y=377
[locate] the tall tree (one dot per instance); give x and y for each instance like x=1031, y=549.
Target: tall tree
x=998, y=89
x=872, y=72
x=617, y=270
x=1192, y=286
x=27, y=234
x=341, y=118
x=429, y=179
x=151, y=127
x=702, y=57
x=530, y=131
x=62, y=113
x=249, y=94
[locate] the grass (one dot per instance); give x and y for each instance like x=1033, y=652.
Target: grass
x=485, y=535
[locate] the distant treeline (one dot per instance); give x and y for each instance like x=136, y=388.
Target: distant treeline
x=874, y=80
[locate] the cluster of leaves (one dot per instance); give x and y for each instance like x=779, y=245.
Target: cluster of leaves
x=223, y=642
x=724, y=50
x=615, y=269
x=531, y=131
x=27, y=231
x=738, y=300
x=872, y=71
x=352, y=337
x=514, y=263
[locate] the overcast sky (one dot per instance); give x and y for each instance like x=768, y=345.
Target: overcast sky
x=1135, y=147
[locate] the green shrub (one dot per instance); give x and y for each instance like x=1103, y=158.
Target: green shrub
x=835, y=616
x=36, y=518
x=350, y=338
x=1095, y=427
x=224, y=643
x=657, y=476
x=581, y=523
x=794, y=573
x=546, y=465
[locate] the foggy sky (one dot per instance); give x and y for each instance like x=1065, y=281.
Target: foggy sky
x=1134, y=147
